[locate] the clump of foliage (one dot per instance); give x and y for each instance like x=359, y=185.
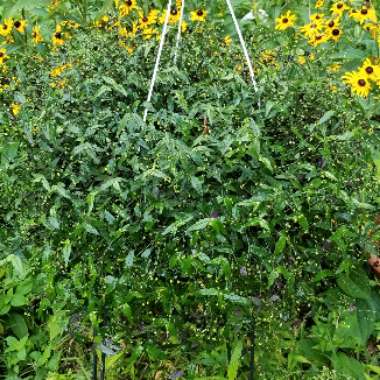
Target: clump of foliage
x=231, y=223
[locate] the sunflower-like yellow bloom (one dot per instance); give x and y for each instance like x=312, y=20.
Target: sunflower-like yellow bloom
x=173, y=17
x=318, y=39
x=15, y=109
x=363, y=15
x=145, y=21
x=198, y=15
x=317, y=18
x=311, y=30
x=339, y=7
x=370, y=70
x=57, y=37
x=358, y=82
x=228, y=40
x=319, y=3
x=285, y=21
x=20, y=25
x=3, y=56
x=126, y=7
x=128, y=31
x=36, y=35
x=335, y=34
x=6, y=27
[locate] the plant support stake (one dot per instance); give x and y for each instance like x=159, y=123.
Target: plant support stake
x=243, y=45
x=158, y=59
x=179, y=32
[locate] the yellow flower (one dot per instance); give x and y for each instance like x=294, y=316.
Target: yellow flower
x=103, y=22
x=301, y=59
x=15, y=109
x=335, y=34
x=184, y=26
x=228, y=40
x=173, y=17
x=318, y=39
x=365, y=14
x=36, y=35
x=146, y=20
x=370, y=70
x=6, y=27
x=311, y=30
x=332, y=23
x=317, y=18
x=57, y=38
x=20, y=25
x=339, y=7
x=285, y=21
x=3, y=56
x=128, y=31
x=359, y=83
x=127, y=7
x=319, y=3
x=57, y=71
x=60, y=84
x=334, y=68
x=148, y=33
x=198, y=15
x=4, y=84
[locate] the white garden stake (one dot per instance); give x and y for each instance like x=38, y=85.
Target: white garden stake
x=242, y=43
x=179, y=32
x=162, y=42
x=158, y=59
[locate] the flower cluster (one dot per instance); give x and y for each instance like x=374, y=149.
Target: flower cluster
x=327, y=24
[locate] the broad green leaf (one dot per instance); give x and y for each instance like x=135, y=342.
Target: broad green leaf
x=233, y=367
x=18, y=325
x=280, y=245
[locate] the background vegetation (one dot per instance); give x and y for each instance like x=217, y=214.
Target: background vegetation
x=231, y=226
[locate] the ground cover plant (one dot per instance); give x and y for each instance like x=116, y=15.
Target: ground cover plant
x=225, y=238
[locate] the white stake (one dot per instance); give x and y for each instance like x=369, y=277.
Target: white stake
x=179, y=32
x=158, y=59
x=243, y=45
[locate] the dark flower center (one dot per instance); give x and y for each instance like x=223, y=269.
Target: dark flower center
x=339, y=6
x=318, y=38
x=174, y=11
x=200, y=12
x=285, y=20
x=369, y=69
x=58, y=35
x=364, y=11
x=361, y=82
x=317, y=17
x=17, y=24
x=145, y=19
x=1, y=54
x=336, y=32
x=5, y=27
x=331, y=24
x=129, y=3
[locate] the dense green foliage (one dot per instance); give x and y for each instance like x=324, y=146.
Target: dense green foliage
x=229, y=220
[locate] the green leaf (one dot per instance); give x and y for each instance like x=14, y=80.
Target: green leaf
x=354, y=287
x=348, y=366
x=233, y=367
x=18, y=325
x=116, y=86
x=129, y=259
x=200, y=225
x=18, y=300
x=280, y=245
x=66, y=251
x=56, y=324
x=326, y=117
